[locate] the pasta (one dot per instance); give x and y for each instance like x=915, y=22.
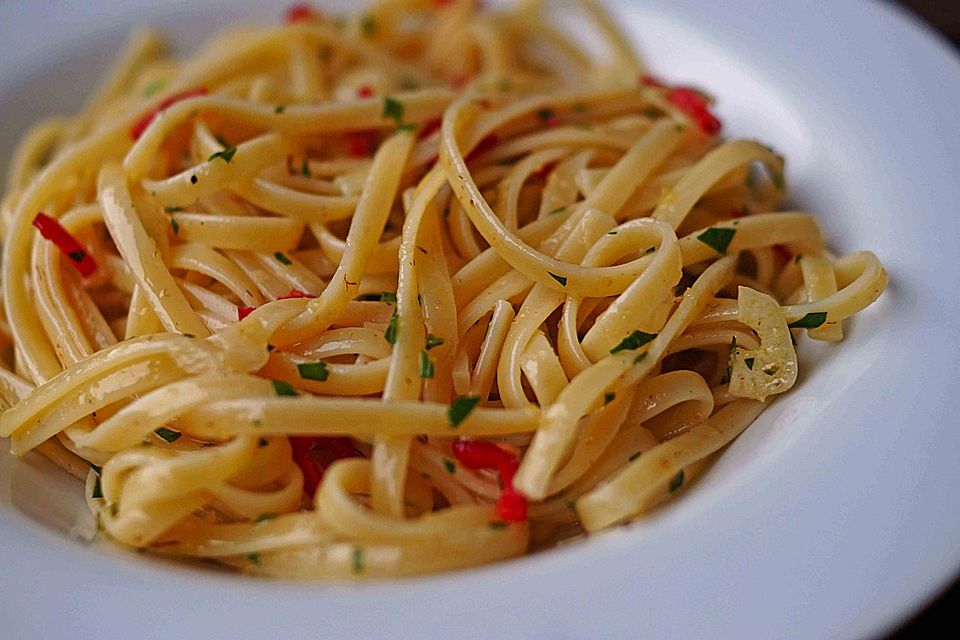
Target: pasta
x=416, y=289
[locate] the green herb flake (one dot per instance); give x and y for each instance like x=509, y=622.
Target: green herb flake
x=387, y=296
x=305, y=169
x=189, y=335
x=579, y=107
x=393, y=110
x=449, y=465
x=634, y=341
x=283, y=388
x=282, y=258
x=608, y=397
x=153, y=88
x=649, y=251
x=497, y=525
x=640, y=358
x=226, y=155
x=426, y=365
x=262, y=442
x=264, y=517
x=253, y=558
x=313, y=370
x=172, y=209
x=634, y=456
x=175, y=226
x=390, y=335
x=810, y=321
x=749, y=362
x=717, y=238
x=677, y=481
x=280, y=108
x=357, y=560
x=556, y=211
x=561, y=279
x=409, y=126
x=168, y=434
x=460, y=408
x=367, y=26
x=408, y=82
x=433, y=341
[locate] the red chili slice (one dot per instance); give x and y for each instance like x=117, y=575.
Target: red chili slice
x=362, y=143
x=51, y=230
x=429, y=127
x=480, y=454
x=695, y=105
x=486, y=144
x=296, y=293
x=243, y=312
x=366, y=91
x=166, y=103
x=300, y=12
x=314, y=454
x=783, y=253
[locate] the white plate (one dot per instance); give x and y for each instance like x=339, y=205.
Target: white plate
x=834, y=516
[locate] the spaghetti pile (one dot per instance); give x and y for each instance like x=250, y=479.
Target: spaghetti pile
x=412, y=290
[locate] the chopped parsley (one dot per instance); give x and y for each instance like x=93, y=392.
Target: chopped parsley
x=263, y=517
x=433, y=341
x=749, y=362
x=608, y=397
x=408, y=82
x=357, y=560
x=810, y=321
x=254, y=559
x=282, y=258
x=556, y=211
x=280, y=108
x=175, y=226
x=496, y=525
x=168, y=434
x=305, y=169
x=313, y=370
x=561, y=279
x=388, y=296
x=283, y=388
x=640, y=358
x=449, y=465
x=717, y=238
x=393, y=110
x=649, y=251
x=153, y=88
x=634, y=341
x=677, y=481
x=367, y=26
x=426, y=365
x=262, y=442
x=390, y=335
x=172, y=209
x=226, y=155
x=460, y=408
x=409, y=126
x=579, y=107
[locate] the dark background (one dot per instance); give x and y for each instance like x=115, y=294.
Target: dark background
x=944, y=16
